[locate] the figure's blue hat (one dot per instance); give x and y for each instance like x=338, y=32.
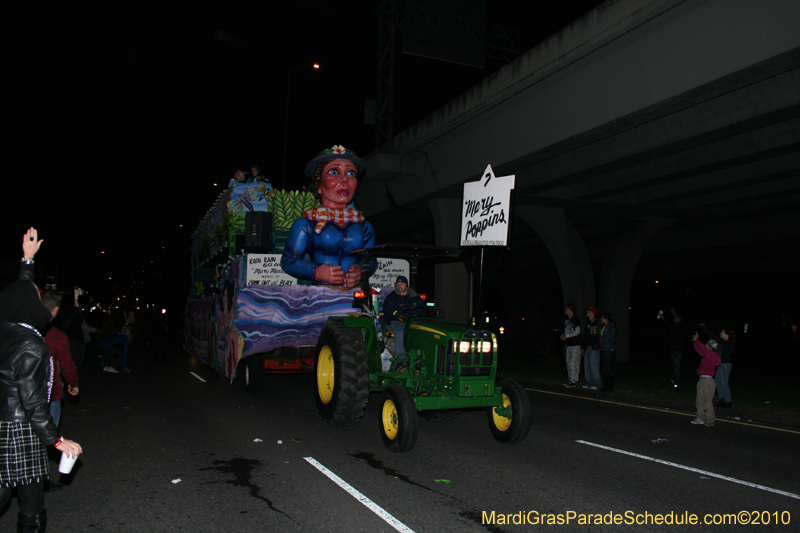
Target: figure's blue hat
x=336, y=151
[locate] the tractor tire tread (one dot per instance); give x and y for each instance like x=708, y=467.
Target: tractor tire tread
x=353, y=382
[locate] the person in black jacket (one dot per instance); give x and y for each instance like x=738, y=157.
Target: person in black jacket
x=677, y=340
x=591, y=350
x=26, y=378
x=401, y=304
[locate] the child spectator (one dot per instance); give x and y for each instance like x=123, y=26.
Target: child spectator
x=705, y=385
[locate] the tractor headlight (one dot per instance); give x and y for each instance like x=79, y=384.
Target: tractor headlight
x=484, y=346
x=464, y=346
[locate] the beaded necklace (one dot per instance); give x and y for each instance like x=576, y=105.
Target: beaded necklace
x=52, y=363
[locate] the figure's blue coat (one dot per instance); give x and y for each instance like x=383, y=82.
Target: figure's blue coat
x=332, y=245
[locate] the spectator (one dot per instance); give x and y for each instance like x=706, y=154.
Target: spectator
x=591, y=350
x=608, y=334
x=58, y=343
x=401, y=304
x=108, y=336
x=727, y=345
x=572, y=336
x=676, y=340
x=25, y=379
x=88, y=328
x=705, y=384
x=71, y=325
x=130, y=325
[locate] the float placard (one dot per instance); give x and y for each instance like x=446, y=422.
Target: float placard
x=265, y=269
x=388, y=270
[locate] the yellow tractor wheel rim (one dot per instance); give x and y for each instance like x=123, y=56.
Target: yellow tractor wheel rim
x=325, y=375
x=390, y=425
x=500, y=422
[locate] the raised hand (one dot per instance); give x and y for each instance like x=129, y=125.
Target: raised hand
x=30, y=243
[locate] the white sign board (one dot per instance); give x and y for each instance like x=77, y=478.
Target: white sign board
x=486, y=214
x=388, y=270
x=265, y=269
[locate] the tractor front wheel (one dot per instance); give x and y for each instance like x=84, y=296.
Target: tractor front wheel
x=397, y=419
x=341, y=383
x=511, y=429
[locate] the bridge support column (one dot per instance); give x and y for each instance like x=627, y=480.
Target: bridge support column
x=616, y=277
x=453, y=286
x=568, y=252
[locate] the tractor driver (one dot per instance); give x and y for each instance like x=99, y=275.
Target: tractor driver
x=402, y=303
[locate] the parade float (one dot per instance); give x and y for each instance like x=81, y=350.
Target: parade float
x=243, y=307
x=248, y=312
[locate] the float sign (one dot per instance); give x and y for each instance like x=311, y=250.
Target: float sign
x=388, y=270
x=265, y=269
x=486, y=213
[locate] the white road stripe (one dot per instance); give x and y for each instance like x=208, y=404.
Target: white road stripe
x=661, y=410
x=372, y=506
x=690, y=469
x=198, y=377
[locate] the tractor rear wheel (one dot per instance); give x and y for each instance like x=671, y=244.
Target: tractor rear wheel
x=397, y=419
x=341, y=383
x=514, y=429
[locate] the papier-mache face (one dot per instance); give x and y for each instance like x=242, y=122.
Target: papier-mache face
x=339, y=183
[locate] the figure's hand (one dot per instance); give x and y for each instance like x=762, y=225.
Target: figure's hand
x=72, y=390
x=583, y=352
x=702, y=325
x=694, y=337
x=70, y=447
x=353, y=277
x=30, y=243
x=333, y=275
x=563, y=337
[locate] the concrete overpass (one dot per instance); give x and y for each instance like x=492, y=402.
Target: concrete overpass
x=645, y=128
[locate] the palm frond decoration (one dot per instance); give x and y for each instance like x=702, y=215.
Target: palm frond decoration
x=288, y=206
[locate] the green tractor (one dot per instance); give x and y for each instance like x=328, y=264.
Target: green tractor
x=448, y=366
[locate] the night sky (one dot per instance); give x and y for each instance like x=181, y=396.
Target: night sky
x=125, y=115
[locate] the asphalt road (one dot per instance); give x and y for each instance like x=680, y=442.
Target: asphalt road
x=165, y=451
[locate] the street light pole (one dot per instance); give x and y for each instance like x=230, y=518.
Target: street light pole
x=286, y=118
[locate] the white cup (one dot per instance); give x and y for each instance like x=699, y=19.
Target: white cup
x=67, y=462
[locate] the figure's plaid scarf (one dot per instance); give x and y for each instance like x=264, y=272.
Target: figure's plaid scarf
x=321, y=215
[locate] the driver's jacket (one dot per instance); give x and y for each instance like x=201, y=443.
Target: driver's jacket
x=411, y=305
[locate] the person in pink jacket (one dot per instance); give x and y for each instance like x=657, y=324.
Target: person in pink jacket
x=705, y=384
